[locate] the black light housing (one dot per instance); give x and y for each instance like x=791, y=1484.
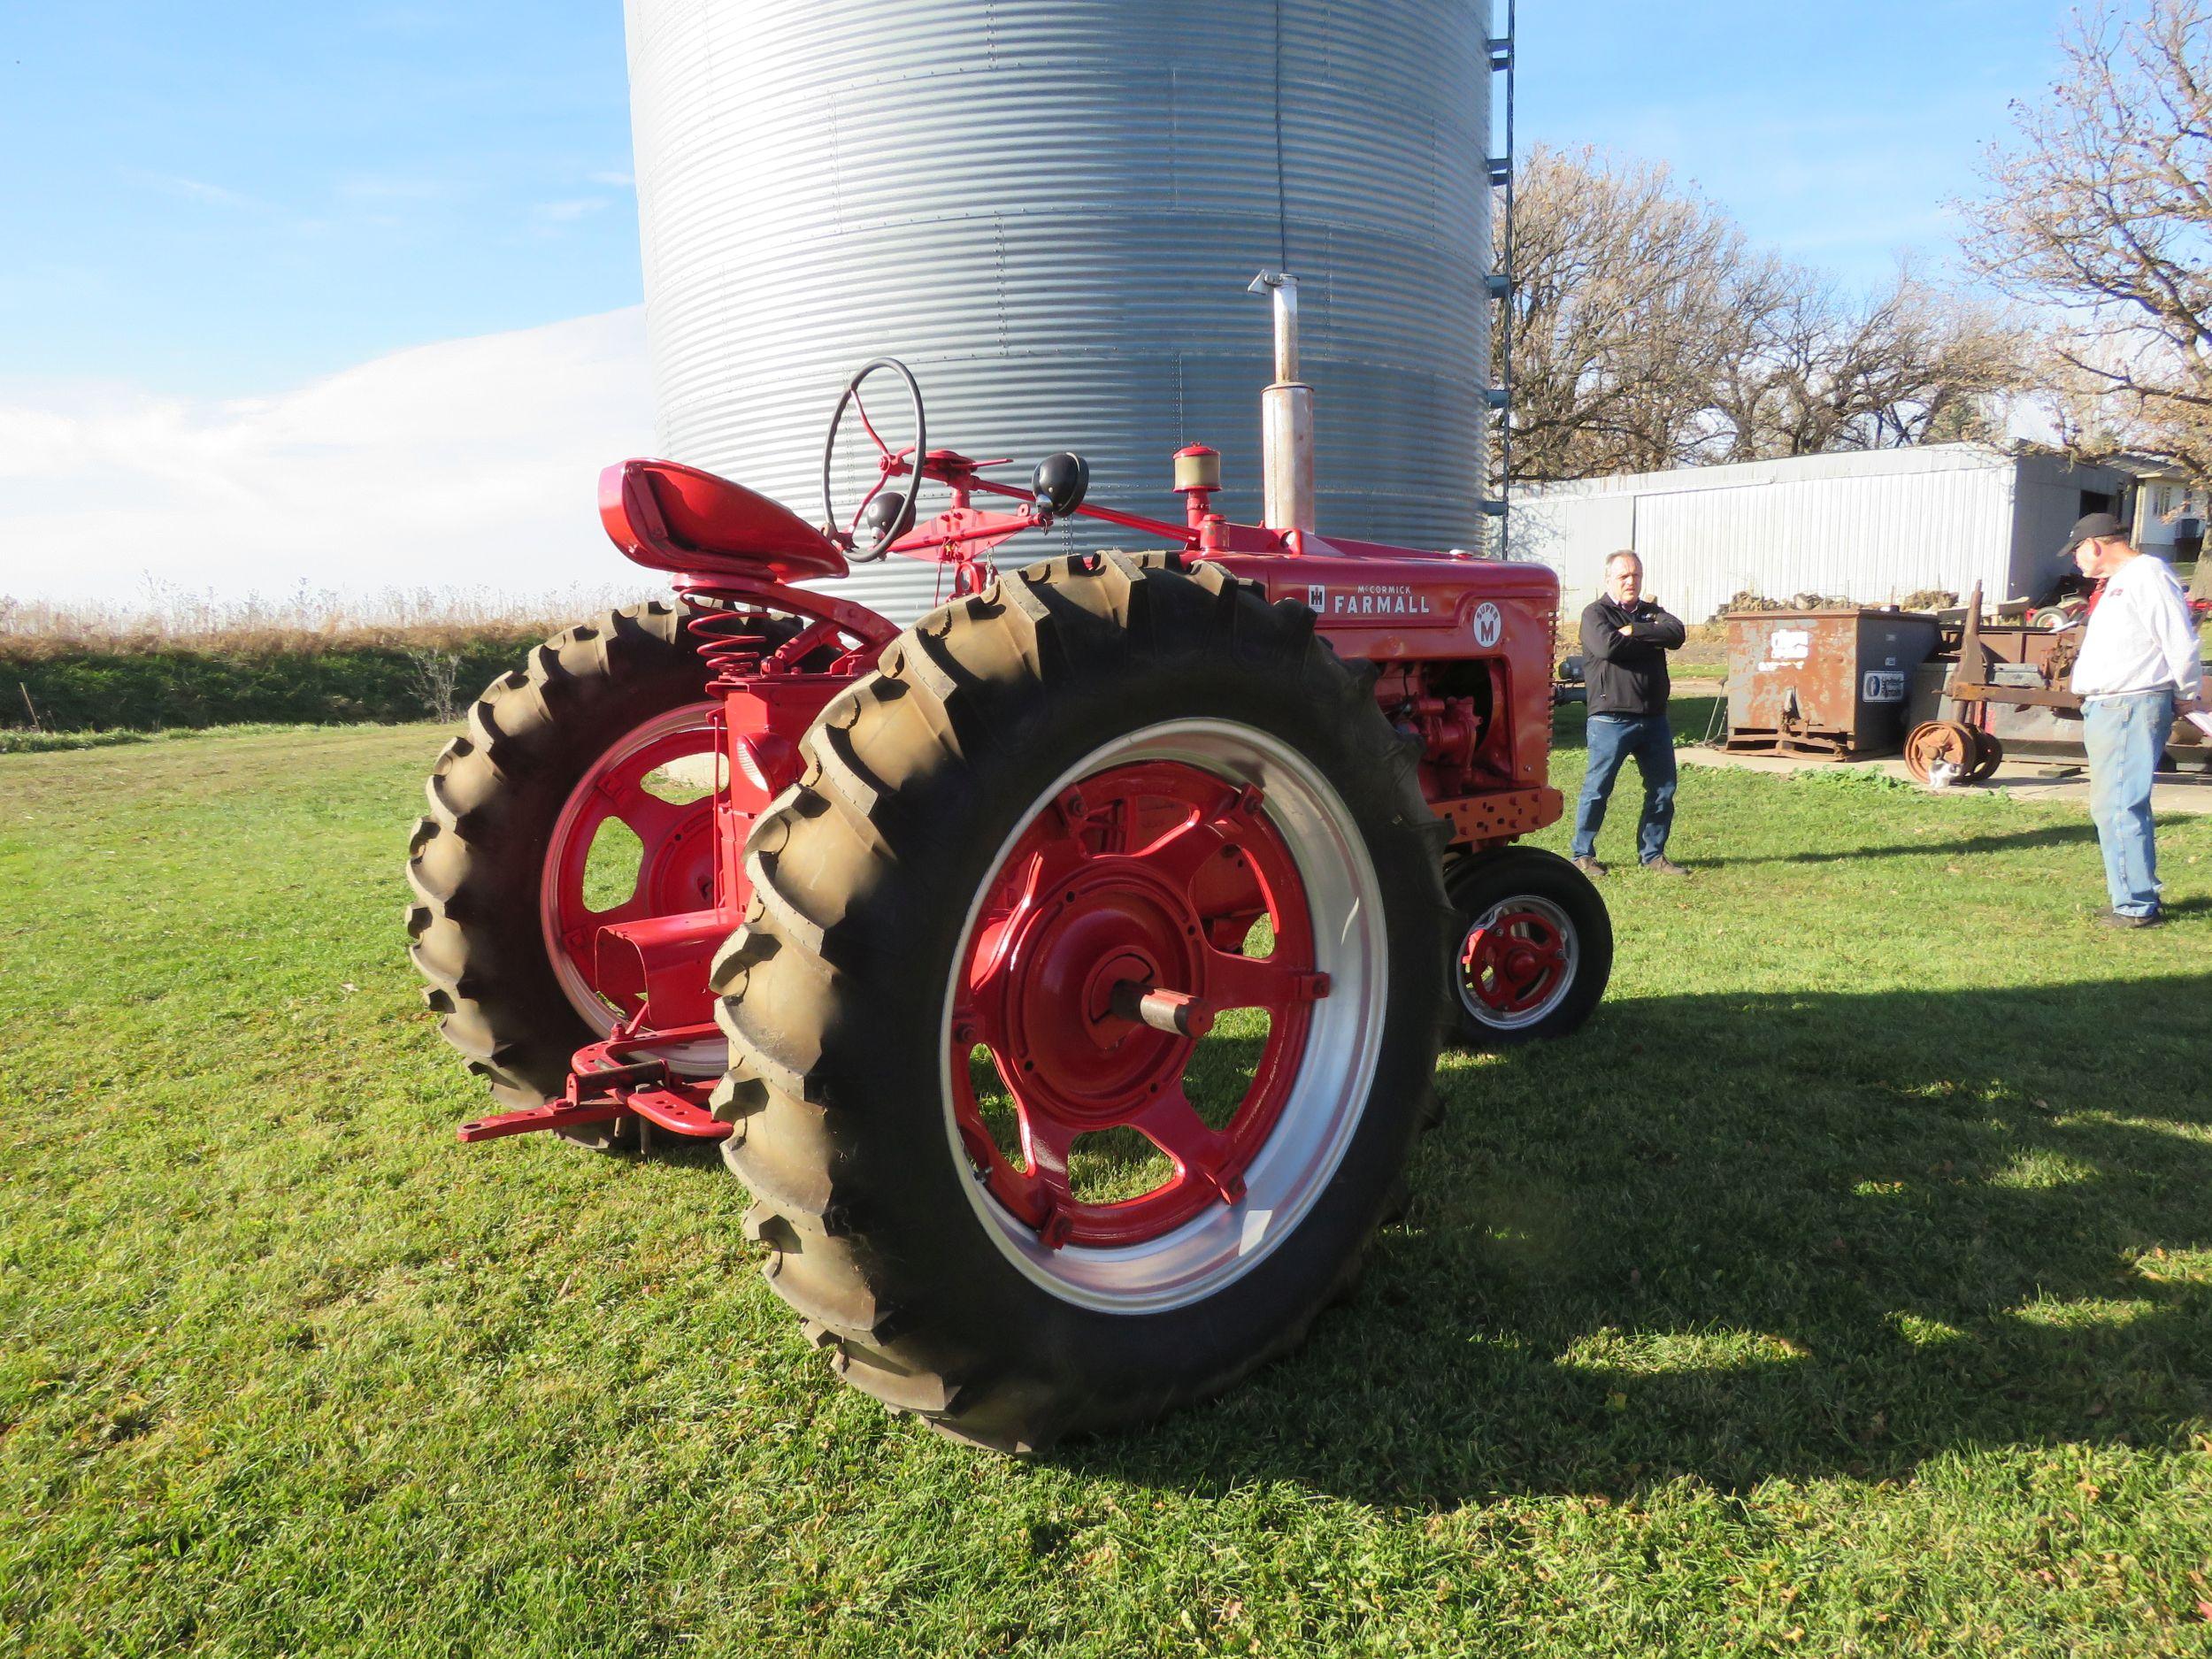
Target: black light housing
x=1060, y=483
x=882, y=514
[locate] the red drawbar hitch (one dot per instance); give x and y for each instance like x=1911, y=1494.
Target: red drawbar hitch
x=619, y=1087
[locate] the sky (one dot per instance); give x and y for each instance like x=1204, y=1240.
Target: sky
x=348, y=292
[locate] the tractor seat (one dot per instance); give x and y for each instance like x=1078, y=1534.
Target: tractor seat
x=676, y=517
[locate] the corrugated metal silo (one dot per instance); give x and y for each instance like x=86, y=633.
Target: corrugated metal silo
x=1050, y=210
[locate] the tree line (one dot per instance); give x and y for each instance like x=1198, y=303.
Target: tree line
x=1647, y=332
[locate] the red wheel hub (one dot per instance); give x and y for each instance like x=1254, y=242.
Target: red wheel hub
x=1111, y=937
x=676, y=840
x=1513, y=960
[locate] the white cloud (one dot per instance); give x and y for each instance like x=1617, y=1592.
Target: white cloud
x=568, y=213
x=473, y=463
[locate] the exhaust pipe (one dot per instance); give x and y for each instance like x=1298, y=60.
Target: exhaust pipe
x=1285, y=417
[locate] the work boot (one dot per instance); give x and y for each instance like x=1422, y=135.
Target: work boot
x=2121, y=918
x=1663, y=866
x=1588, y=866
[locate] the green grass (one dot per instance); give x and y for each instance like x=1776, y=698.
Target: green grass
x=1845, y=1287
x=24, y=743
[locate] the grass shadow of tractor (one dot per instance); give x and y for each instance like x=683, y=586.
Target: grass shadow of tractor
x=1732, y=1237
x=1947, y=849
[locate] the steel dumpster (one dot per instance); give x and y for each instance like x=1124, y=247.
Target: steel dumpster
x=1830, y=683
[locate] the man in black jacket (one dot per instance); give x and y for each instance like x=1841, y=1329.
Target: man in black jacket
x=1626, y=638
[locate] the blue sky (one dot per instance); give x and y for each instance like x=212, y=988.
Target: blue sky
x=1835, y=132
x=221, y=198
x=233, y=235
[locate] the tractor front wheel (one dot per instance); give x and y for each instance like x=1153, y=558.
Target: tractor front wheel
x=1085, y=1012
x=1535, y=946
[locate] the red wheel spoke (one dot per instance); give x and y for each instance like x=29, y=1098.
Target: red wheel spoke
x=1053, y=862
x=976, y=1021
x=654, y=820
x=1269, y=982
x=1181, y=853
x=1170, y=1122
x=674, y=862
x=1049, y=1198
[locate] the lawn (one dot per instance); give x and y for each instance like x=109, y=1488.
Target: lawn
x=1842, y=1288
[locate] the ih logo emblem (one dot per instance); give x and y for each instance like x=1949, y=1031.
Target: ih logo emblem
x=1317, y=599
x=1489, y=626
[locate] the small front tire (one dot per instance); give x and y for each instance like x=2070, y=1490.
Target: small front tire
x=1535, y=947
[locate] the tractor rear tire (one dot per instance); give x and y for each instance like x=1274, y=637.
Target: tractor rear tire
x=478, y=863
x=880, y=890
x=1535, y=947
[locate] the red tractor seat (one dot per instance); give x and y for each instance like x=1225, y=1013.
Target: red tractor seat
x=676, y=517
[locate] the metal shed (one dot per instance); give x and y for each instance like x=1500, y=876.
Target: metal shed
x=1870, y=528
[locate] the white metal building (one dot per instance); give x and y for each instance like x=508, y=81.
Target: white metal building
x=2170, y=511
x=1870, y=527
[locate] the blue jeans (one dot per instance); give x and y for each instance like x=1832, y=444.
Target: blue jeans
x=2125, y=736
x=1613, y=738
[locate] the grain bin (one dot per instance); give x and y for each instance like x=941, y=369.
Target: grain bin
x=1051, y=209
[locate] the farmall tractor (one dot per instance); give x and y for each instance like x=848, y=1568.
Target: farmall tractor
x=1065, y=973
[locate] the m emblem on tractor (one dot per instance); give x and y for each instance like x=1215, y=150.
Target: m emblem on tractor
x=1061, y=973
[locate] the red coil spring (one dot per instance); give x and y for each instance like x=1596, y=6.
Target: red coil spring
x=732, y=643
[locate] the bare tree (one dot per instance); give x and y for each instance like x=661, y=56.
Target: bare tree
x=2101, y=208
x=1817, y=370
x=1620, y=307
x=1647, y=335
x=435, y=676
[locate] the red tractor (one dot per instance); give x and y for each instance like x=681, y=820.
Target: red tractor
x=1062, y=974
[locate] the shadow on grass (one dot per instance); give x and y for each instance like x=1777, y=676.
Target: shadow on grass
x=1926, y=846
x=1736, y=1237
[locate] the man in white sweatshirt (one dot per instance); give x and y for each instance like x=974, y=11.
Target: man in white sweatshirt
x=2138, y=667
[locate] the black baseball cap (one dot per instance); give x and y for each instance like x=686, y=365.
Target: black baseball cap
x=2095, y=527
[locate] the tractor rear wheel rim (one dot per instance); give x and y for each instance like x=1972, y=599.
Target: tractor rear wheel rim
x=675, y=863
x=1518, y=962
x=1144, y=863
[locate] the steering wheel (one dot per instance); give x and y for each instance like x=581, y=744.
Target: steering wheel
x=885, y=514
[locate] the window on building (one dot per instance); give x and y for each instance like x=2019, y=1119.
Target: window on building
x=2163, y=501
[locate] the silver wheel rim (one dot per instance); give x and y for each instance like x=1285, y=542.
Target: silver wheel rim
x=1569, y=950
x=705, y=1058
x=1342, y=1047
